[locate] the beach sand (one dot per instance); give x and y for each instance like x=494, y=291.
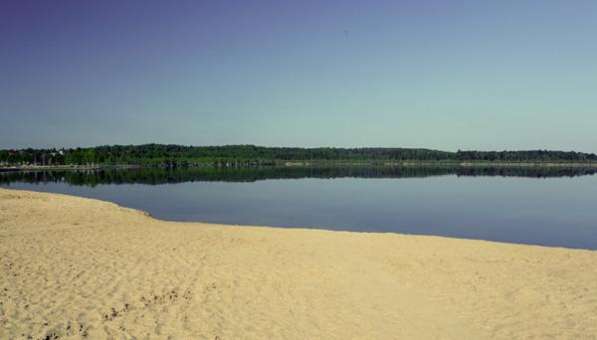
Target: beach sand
x=78, y=268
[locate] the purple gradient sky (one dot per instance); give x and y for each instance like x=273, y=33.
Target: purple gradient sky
x=438, y=74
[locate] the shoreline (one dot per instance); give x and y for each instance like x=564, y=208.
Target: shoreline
x=299, y=228
x=77, y=267
x=66, y=167
x=308, y=164
x=293, y=228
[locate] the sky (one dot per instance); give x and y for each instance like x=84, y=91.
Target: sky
x=437, y=74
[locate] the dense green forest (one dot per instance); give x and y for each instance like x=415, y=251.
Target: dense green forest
x=250, y=155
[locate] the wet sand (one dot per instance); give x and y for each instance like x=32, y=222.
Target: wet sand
x=78, y=268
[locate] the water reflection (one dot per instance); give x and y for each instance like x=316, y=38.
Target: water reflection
x=160, y=175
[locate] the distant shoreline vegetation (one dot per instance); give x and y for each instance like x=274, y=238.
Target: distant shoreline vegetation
x=161, y=155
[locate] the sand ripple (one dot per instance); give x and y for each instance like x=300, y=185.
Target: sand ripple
x=78, y=268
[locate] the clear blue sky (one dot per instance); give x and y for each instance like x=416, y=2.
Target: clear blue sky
x=438, y=74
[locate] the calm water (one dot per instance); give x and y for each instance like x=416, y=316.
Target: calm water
x=537, y=206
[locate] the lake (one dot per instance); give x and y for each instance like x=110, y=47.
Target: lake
x=544, y=206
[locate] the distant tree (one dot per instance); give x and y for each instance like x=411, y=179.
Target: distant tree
x=239, y=155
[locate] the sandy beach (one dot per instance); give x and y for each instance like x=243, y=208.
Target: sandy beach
x=75, y=268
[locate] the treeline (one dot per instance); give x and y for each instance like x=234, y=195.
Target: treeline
x=522, y=156
x=250, y=155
